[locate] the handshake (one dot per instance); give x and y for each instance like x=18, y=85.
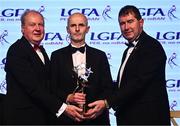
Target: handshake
x=76, y=112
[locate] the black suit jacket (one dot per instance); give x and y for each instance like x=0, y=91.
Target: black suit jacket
x=1, y=108
x=100, y=81
x=28, y=98
x=142, y=96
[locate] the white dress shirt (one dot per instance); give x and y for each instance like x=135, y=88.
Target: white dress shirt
x=79, y=61
x=38, y=51
x=125, y=61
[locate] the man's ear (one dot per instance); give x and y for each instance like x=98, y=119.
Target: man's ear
x=87, y=30
x=67, y=29
x=141, y=21
x=22, y=29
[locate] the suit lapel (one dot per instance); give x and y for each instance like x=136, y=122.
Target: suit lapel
x=89, y=57
x=132, y=57
x=122, y=60
x=68, y=60
x=138, y=46
x=124, y=56
x=46, y=58
x=34, y=56
x=37, y=58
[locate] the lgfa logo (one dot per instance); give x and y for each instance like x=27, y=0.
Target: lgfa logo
x=104, y=36
x=169, y=35
x=53, y=38
x=171, y=12
x=172, y=83
x=172, y=60
x=3, y=36
x=41, y=9
x=152, y=13
x=2, y=64
x=12, y=14
x=173, y=104
x=92, y=13
x=158, y=13
x=68, y=38
x=105, y=13
x=3, y=86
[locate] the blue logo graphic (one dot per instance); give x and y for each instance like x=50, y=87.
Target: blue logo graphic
x=158, y=13
x=152, y=13
x=2, y=37
x=68, y=38
x=173, y=83
x=3, y=87
x=171, y=14
x=41, y=9
x=172, y=60
x=2, y=64
x=104, y=36
x=11, y=14
x=170, y=35
x=93, y=14
x=108, y=56
x=173, y=104
x=105, y=12
x=3, y=61
x=53, y=38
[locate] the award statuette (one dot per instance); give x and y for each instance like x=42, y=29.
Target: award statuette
x=82, y=82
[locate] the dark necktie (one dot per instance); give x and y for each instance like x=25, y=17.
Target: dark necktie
x=36, y=47
x=81, y=49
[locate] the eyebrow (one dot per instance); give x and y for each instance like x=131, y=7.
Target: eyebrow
x=81, y=24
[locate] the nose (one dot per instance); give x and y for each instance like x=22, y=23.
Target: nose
x=77, y=28
x=126, y=26
x=37, y=27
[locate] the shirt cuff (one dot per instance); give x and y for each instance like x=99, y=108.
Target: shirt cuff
x=61, y=110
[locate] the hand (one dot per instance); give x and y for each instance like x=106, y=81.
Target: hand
x=74, y=113
x=76, y=98
x=96, y=109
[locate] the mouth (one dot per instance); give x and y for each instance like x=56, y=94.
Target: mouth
x=37, y=34
x=77, y=34
x=127, y=33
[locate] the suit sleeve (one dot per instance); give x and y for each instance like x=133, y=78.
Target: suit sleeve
x=105, y=77
x=141, y=75
x=18, y=64
x=61, y=78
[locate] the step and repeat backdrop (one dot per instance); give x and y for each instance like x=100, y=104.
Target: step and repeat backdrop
x=162, y=21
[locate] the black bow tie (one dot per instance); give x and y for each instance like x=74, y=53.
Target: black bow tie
x=130, y=44
x=36, y=47
x=81, y=49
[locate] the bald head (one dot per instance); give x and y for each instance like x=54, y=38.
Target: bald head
x=77, y=15
x=77, y=28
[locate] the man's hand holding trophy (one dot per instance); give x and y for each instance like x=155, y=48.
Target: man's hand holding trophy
x=81, y=75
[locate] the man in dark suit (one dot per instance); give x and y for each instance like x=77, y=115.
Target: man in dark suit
x=79, y=60
x=28, y=99
x=141, y=97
